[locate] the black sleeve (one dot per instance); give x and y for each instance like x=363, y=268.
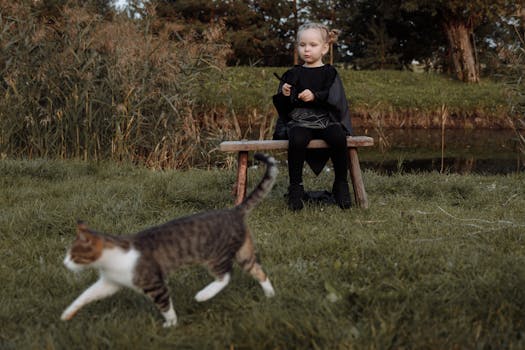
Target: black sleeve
x=283, y=105
x=292, y=76
x=328, y=79
x=321, y=96
x=337, y=99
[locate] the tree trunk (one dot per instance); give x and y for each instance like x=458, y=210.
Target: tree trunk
x=463, y=56
x=296, y=26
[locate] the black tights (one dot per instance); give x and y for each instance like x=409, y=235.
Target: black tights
x=299, y=138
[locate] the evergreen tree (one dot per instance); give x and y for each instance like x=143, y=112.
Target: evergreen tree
x=280, y=19
x=259, y=31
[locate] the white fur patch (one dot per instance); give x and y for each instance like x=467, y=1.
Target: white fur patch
x=170, y=317
x=117, y=265
x=99, y=290
x=212, y=289
x=71, y=265
x=268, y=288
x=116, y=268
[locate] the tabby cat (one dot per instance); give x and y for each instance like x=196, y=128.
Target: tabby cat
x=143, y=260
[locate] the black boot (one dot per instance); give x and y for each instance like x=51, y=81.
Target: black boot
x=342, y=194
x=295, y=197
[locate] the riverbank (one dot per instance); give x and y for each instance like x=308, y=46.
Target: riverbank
x=389, y=99
x=410, y=118
x=181, y=125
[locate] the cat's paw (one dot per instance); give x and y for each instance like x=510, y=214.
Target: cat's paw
x=170, y=316
x=66, y=316
x=203, y=295
x=170, y=323
x=69, y=313
x=269, y=293
x=268, y=288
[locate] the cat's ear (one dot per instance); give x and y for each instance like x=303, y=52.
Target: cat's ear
x=82, y=231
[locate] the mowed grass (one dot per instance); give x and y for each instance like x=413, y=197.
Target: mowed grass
x=436, y=262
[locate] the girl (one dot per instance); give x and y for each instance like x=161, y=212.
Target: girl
x=311, y=103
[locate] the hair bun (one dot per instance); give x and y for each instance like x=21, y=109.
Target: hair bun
x=333, y=35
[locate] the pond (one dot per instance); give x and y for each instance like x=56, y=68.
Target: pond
x=465, y=151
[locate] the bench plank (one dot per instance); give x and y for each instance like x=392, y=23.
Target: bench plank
x=267, y=145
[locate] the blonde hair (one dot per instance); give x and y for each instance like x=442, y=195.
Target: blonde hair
x=329, y=36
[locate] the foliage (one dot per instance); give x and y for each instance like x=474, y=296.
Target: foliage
x=79, y=85
x=475, y=11
x=88, y=84
x=262, y=32
x=369, y=27
x=516, y=81
x=255, y=30
x=235, y=103
x=460, y=19
x=436, y=262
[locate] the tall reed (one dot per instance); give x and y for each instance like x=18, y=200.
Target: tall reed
x=83, y=86
x=516, y=83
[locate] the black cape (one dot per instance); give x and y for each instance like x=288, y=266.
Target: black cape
x=338, y=111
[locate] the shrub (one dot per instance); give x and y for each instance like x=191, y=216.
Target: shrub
x=81, y=85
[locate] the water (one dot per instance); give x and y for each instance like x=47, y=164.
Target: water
x=465, y=151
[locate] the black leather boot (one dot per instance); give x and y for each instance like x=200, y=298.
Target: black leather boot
x=295, y=197
x=342, y=194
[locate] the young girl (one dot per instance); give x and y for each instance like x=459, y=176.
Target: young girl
x=311, y=103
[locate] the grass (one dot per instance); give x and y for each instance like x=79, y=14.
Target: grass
x=437, y=262
x=247, y=88
x=427, y=91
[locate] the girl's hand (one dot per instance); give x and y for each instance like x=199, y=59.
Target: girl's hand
x=287, y=89
x=306, y=96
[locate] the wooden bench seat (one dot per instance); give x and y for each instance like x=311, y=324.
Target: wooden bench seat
x=245, y=146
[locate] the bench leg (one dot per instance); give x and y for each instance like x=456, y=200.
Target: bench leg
x=242, y=170
x=361, y=199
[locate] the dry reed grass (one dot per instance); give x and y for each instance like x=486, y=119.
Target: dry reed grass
x=82, y=86
x=516, y=117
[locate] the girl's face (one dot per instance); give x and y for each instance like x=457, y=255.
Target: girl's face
x=312, y=47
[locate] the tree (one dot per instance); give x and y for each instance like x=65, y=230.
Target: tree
x=459, y=19
x=370, y=30
x=378, y=33
x=259, y=31
x=278, y=18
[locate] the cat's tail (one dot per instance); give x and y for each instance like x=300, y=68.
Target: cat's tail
x=264, y=187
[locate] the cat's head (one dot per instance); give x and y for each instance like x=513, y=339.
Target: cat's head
x=85, y=249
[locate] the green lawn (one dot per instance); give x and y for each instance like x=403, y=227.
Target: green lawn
x=437, y=262
x=247, y=88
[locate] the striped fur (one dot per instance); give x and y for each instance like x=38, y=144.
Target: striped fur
x=143, y=260
x=264, y=187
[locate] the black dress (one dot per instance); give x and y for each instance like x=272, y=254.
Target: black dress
x=330, y=99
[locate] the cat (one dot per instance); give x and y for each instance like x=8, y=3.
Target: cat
x=142, y=261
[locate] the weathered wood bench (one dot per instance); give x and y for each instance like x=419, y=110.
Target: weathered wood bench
x=245, y=146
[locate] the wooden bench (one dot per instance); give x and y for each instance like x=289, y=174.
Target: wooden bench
x=245, y=146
